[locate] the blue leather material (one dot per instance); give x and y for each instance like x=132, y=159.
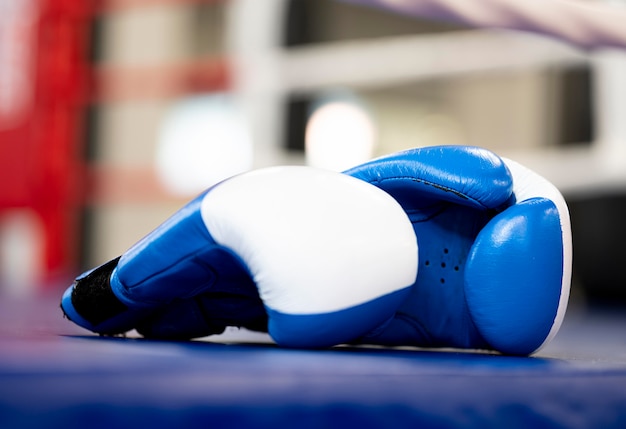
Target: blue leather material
x=329, y=329
x=435, y=314
x=510, y=275
x=208, y=313
x=461, y=174
x=176, y=261
x=449, y=194
x=168, y=262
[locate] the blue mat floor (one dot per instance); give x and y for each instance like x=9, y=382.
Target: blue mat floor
x=56, y=375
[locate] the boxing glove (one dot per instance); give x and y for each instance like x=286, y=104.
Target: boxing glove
x=314, y=257
x=495, y=250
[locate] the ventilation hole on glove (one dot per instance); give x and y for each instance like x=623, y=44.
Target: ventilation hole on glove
x=442, y=280
x=427, y=263
x=445, y=251
x=443, y=265
x=456, y=268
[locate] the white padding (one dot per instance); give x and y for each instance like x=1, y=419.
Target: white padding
x=315, y=241
x=528, y=184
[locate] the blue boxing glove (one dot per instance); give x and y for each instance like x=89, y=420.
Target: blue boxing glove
x=494, y=263
x=495, y=250
x=316, y=258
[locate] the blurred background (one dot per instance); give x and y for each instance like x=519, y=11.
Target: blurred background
x=114, y=113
